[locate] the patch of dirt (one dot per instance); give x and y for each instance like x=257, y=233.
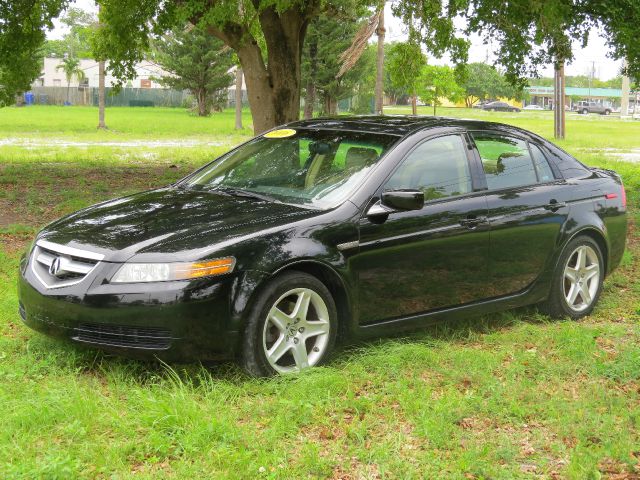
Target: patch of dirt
x=616, y=470
x=36, y=199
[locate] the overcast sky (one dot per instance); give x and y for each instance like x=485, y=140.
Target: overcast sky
x=594, y=56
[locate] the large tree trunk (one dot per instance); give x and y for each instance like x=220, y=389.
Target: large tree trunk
x=238, y=98
x=273, y=88
x=414, y=104
x=380, y=65
x=101, y=123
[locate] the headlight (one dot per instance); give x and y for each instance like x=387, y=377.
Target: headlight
x=162, y=272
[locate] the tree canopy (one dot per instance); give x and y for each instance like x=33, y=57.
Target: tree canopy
x=527, y=35
x=22, y=33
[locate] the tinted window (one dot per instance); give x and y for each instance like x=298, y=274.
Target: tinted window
x=505, y=160
x=545, y=174
x=438, y=167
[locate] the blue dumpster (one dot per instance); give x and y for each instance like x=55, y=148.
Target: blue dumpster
x=29, y=98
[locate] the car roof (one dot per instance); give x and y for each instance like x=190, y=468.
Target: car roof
x=401, y=125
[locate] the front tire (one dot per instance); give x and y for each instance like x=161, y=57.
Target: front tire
x=291, y=327
x=577, y=280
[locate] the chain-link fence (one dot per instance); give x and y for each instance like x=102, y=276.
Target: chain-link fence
x=125, y=97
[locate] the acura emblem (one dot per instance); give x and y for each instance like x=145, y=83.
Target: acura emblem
x=55, y=266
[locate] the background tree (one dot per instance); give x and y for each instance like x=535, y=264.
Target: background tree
x=71, y=68
x=437, y=82
x=482, y=82
x=22, y=35
x=405, y=65
x=321, y=67
x=199, y=63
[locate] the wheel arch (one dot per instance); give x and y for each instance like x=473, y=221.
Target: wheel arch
x=251, y=288
x=334, y=283
x=597, y=236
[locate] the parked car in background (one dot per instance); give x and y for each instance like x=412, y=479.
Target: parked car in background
x=334, y=228
x=533, y=107
x=498, y=107
x=586, y=107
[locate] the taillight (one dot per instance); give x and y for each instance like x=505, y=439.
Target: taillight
x=623, y=195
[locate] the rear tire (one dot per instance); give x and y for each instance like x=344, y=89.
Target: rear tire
x=585, y=111
x=607, y=112
x=292, y=326
x=577, y=280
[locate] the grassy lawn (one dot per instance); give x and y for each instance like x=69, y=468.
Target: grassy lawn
x=512, y=395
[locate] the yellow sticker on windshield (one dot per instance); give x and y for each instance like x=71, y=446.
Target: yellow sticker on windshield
x=281, y=133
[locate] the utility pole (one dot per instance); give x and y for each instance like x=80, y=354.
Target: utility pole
x=558, y=100
x=380, y=31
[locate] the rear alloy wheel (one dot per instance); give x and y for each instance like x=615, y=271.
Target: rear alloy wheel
x=578, y=280
x=292, y=328
x=585, y=111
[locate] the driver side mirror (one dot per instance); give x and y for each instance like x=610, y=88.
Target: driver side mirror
x=403, y=199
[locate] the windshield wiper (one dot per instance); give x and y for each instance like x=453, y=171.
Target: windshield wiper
x=238, y=192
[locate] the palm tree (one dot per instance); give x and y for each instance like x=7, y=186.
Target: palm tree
x=71, y=68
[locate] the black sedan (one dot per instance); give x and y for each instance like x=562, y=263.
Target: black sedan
x=497, y=107
x=330, y=229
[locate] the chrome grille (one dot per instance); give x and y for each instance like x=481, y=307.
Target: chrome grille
x=60, y=266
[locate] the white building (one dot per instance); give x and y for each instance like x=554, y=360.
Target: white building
x=52, y=76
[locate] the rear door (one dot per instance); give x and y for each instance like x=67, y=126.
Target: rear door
x=416, y=261
x=527, y=207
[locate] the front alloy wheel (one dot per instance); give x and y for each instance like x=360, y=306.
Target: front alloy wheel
x=291, y=326
x=296, y=331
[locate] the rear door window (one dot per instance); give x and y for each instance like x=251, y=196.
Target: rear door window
x=506, y=161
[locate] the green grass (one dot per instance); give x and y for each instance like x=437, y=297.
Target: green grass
x=511, y=395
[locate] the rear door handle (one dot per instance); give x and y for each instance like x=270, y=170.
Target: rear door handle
x=554, y=205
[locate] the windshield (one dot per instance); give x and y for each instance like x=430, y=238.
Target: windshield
x=314, y=168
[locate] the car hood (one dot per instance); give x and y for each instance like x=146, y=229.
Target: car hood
x=174, y=222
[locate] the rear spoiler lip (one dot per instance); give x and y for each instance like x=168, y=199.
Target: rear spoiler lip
x=606, y=171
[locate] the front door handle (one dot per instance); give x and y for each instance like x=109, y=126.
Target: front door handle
x=554, y=205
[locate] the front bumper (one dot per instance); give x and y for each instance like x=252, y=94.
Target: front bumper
x=173, y=321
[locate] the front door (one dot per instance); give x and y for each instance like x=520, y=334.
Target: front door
x=436, y=257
